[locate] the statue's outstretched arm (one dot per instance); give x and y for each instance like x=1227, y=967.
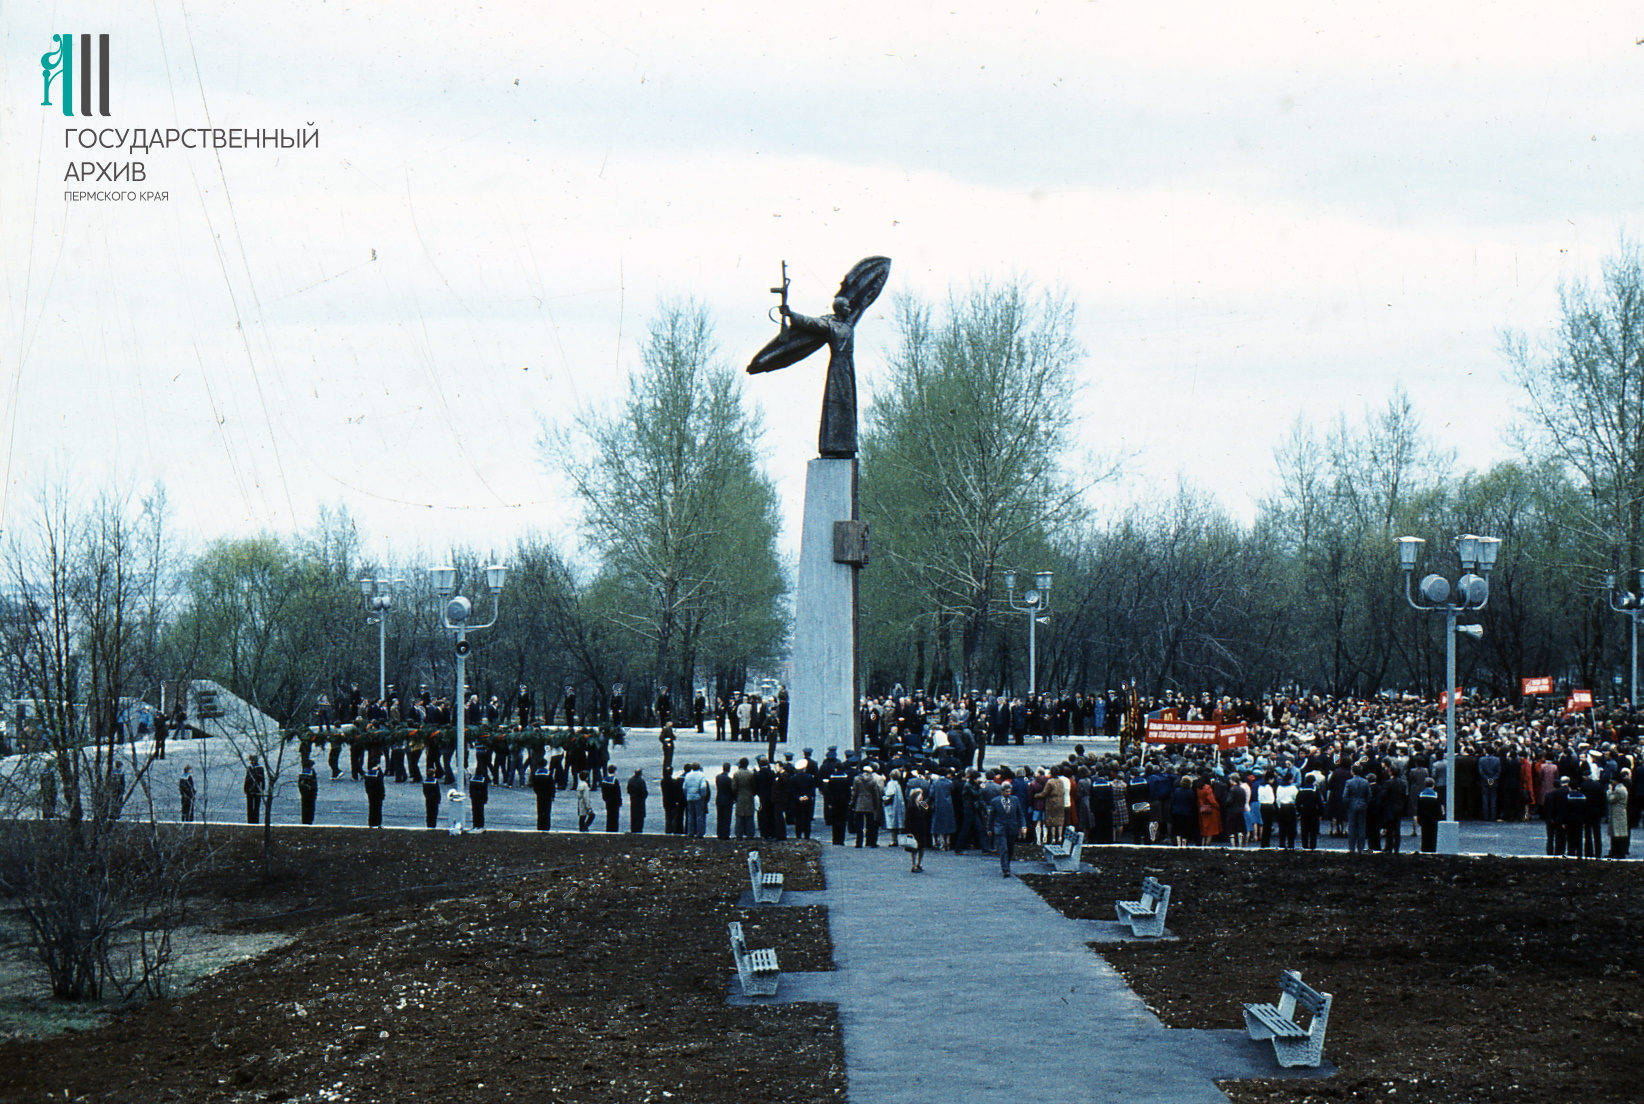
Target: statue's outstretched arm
x=808, y=324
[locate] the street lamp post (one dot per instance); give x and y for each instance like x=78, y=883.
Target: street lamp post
x=379, y=599
x=1473, y=594
x=1632, y=605
x=1035, y=601
x=455, y=617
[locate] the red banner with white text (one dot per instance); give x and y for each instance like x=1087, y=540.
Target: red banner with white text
x=1224, y=736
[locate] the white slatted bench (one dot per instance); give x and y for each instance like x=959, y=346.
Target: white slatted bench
x=767, y=888
x=757, y=970
x=1064, y=857
x=1293, y=1044
x=1146, y=916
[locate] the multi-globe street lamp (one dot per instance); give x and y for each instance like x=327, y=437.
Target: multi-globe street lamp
x=379, y=599
x=456, y=617
x=1632, y=605
x=1472, y=592
x=1035, y=601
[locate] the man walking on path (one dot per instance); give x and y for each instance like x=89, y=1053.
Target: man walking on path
x=1005, y=822
x=867, y=802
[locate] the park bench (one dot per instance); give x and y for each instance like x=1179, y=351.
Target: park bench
x=767, y=888
x=757, y=970
x=1293, y=1044
x=1146, y=916
x=1064, y=857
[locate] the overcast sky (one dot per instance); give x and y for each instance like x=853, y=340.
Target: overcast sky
x=1262, y=211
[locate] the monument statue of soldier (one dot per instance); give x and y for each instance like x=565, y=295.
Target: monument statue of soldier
x=802, y=335
x=833, y=542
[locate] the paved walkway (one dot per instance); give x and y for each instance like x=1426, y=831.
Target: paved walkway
x=960, y=985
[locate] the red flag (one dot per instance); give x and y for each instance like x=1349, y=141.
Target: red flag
x=1579, y=700
x=1444, y=698
x=1542, y=685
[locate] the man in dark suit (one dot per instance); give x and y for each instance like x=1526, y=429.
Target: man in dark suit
x=1394, y=798
x=836, y=801
x=1489, y=784
x=1005, y=824
x=802, y=801
x=1573, y=818
x=765, y=790
x=638, y=791
x=1429, y=811
x=724, y=800
x=524, y=706
x=1552, y=815
x=1595, y=793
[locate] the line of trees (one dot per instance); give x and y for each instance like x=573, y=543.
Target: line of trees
x=962, y=482
x=974, y=463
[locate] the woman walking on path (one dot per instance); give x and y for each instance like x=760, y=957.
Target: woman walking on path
x=918, y=827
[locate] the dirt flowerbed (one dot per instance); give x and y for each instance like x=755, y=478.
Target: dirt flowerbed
x=1456, y=979
x=495, y=967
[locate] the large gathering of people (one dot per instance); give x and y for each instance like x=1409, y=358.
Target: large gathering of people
x=944, y=772
x=1367, y=772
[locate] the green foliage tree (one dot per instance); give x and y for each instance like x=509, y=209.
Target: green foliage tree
x=271, y=622
x=964, y=467
x=677, y=509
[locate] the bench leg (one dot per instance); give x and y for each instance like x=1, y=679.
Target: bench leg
x=1299, y=1053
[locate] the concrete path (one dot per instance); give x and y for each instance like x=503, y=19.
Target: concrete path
x=960, y=985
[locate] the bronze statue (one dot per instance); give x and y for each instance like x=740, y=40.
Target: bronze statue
x=801, y=336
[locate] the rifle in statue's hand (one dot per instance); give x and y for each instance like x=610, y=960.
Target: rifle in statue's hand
x=782, y=291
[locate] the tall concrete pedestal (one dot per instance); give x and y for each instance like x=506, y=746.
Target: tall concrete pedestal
x=822, y=708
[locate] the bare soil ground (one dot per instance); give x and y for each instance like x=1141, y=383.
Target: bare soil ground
x=496, y=967
x=1456, y=979
x=593, y=968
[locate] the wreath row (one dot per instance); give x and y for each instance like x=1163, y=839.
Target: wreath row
x=497, y=737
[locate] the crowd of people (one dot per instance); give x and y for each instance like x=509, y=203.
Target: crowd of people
x=1372, y=772
x=1368, y=772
